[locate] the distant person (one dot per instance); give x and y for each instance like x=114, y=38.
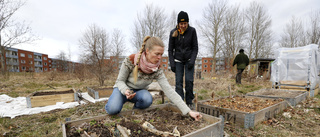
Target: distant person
x=136, y=73
x=183, y=50
x=242, y=61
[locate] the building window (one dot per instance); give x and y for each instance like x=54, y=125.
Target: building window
x=205, y=66
x=30, y=62
x=23, y=61
x=45, y=69
x=49, y=61
x=44, y=58
x=164, y=65
x=205, y=61
x=45, y=63
x=23, y=68
x=164, y=60
x=22, y=55
x=29, y=56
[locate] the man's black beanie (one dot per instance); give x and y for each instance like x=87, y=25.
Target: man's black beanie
x=183, y=17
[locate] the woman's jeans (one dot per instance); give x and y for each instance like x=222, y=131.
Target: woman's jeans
x=182, y=69
x=142, y=100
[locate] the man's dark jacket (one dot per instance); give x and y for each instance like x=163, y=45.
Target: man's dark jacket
x=183, y=47
x=241, y=60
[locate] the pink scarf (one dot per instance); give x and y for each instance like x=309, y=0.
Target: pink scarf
x=144, y=65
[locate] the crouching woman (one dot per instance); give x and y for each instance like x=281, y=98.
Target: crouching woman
x=136, y=73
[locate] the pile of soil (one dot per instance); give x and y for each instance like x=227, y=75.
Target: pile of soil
x=243, y=104
x=164, y=120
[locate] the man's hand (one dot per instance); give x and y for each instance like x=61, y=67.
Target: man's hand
x=173, y=69
x=196, y=115
x=129, y=94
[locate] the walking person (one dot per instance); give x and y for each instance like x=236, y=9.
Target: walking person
x=183, y=50
x=136, y=73
x=242, y=61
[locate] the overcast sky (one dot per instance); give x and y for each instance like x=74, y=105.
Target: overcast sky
x=61, y=23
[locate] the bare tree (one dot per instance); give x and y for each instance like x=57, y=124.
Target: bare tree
x=95, y=42
x=62, y=62
x=293, y=34
x=12, y=32
x=314, y=31
x=211, y=26
x=234, y=32
x=259, y=26
x=117, y=44
x=152, y=22
x=172, y=22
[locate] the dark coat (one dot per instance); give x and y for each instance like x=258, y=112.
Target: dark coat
x=183, y=47
x=241, y=60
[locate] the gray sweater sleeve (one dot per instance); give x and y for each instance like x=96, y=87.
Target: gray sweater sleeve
x=123, y=76
x=172, y=94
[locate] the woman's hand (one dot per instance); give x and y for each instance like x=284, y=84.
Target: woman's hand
x=196, y=115
x=129, y=94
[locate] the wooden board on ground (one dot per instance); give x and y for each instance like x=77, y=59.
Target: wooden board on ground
x=292, y=96
x=241, y=118
x=310, y=92
x=51, y=97
x=100, y=92
x=214, y=128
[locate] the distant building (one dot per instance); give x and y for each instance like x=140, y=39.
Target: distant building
x=18, y=60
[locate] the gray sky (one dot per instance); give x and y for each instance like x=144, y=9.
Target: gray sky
x=61, y=23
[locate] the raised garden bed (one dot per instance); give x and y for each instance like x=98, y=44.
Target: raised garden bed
x=100, y=92
x=243, y=111
x=159, y=120
x=51, y=97
x=293, y=97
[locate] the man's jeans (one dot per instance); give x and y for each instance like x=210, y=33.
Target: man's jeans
x=182, y=69
x=142, y=100
x=238, y=77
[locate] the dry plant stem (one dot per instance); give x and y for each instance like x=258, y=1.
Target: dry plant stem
x=122, y=131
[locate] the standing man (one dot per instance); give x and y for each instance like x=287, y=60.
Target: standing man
x=242, y=61
x=183, y=50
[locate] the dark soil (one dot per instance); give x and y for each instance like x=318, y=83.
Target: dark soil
x=162, y=119
x=53, y=92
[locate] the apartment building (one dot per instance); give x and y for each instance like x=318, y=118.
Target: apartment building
x=18, y=60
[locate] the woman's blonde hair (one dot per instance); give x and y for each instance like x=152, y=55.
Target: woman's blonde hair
x=148, y=43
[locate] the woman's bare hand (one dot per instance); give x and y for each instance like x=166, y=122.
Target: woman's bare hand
x=129, y=94
x=196, y=115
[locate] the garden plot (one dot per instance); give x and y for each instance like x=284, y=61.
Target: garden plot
x=51, y=97
x=158, y=120
x=244, y=111
x=100, y=92
x=293, y=97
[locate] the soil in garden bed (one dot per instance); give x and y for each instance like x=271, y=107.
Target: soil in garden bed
x=162, y=119
x=242, y=103
x=53, y=92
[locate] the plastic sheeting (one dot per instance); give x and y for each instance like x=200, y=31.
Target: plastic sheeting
x=299, y=64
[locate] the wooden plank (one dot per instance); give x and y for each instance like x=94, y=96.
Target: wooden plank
x=38, y=101
x=105, y=92
x=292, y=96
x=35, y=100
x=298, y=83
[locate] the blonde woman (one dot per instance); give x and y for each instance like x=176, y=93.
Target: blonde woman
x=136, y=73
